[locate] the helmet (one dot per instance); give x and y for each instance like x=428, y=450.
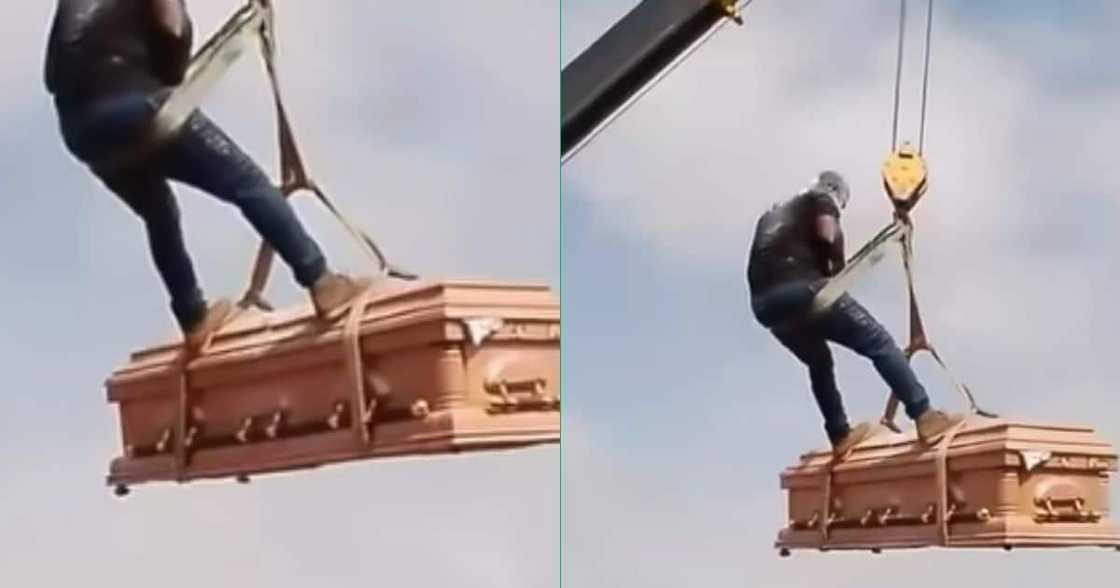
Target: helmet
x=832, y=184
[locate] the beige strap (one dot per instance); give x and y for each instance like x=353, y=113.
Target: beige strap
x=943, y=482
x=294, y=178
x=352, y=350
x=183, y=388
x=182, y=401
x=826, y=509
x=918, y=339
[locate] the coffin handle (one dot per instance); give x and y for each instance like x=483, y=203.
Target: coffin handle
x=190, y=437
x=927, y=517
x=164, y=442
x=335, y=420
x=885, y=517
x=272, y=431
x=1053, y=509
x=511, y=395
x=242, y=434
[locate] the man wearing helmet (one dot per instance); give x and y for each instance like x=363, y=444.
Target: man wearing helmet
x=109, y=65
x=797, y=246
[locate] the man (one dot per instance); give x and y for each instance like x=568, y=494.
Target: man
x=109, y=65
x=797, y=246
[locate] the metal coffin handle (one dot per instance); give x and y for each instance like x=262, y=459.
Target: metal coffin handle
x=514, y=395
x=1065, y=509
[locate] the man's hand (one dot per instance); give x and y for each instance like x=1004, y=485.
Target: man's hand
x=830, y=240
x=171, y=40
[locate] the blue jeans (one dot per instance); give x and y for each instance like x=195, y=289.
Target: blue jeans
x=202, y=156
x=849, y=324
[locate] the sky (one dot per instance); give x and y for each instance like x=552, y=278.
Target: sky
x=432, y=125
x=680, y=410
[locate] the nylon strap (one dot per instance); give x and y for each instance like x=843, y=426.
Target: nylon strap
x=943, y=482
x=918, y=340
x=902, y=229
x=868, y=256
x=826, y=508
x=352, y=353
x=182, y=400
x=294, y=177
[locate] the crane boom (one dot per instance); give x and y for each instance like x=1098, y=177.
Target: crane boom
x=631, y=56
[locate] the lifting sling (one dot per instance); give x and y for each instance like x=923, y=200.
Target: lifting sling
x=255, y=19
x=905, y=182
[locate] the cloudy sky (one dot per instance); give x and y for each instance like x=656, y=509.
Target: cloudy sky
x=434, y=124
x=680, y=411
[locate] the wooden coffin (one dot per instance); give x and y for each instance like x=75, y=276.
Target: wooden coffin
x=1007, y=483
x=422, y=368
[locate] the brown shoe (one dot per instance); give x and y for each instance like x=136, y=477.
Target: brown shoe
x=933, y=424
x=856, y=434
x=216, y=315
x=333, y=293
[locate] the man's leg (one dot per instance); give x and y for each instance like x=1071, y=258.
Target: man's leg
x=784, y=305
x=851, y=325
x=206, y=158
x=812, y=349
x=151, y=198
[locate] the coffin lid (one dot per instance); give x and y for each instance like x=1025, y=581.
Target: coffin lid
x=979, y=435
x=393, y=305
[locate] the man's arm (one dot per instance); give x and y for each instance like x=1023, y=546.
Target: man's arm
x=170, y=16
x=830, y=242
x=171, y=41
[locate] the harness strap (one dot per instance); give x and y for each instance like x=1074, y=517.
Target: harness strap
x=181, y=402
x=182, y=397
x=826, y=508
x=352, y=354
x=919, y=341
x=942, y=462
x=294, y=177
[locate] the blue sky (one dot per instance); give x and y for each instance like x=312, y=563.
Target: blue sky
x=431, y=124
x=680, y=411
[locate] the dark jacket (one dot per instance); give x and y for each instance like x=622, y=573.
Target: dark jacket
x=101, y=48
x=787, y=247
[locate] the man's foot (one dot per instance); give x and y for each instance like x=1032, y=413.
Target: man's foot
x=858, y=433
x=215, y=317
x=333, y=293
x=933, y=424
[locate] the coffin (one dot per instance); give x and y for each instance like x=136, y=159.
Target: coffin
x=1007, y=483
x=421, y=368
